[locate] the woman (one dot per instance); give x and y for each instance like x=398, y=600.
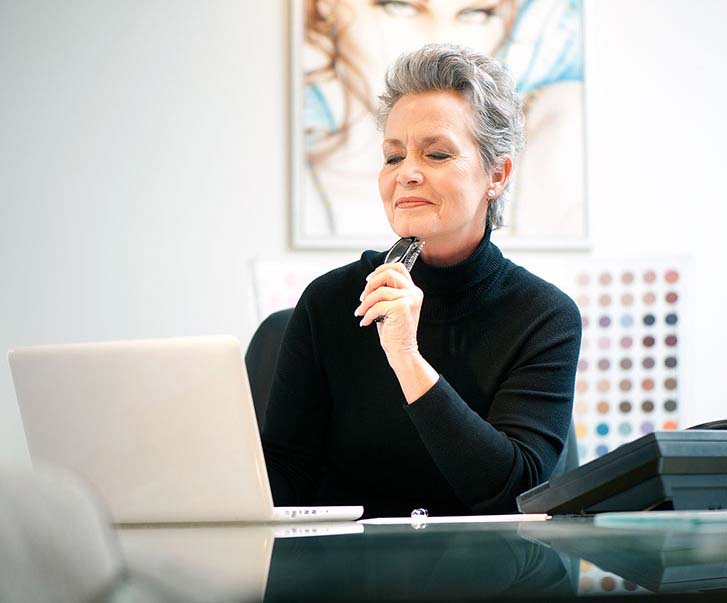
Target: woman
x=349, y=43
x=460, y=399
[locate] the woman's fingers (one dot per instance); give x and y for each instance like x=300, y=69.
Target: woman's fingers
x=389, y=275
x=390, y=292
x=397, y=267
x=391, y=310
x=372, y=303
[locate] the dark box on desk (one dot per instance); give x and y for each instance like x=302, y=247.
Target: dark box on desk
x=662, y=470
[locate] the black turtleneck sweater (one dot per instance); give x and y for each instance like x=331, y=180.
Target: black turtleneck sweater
x=338, y=429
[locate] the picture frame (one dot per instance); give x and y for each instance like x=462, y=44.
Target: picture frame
x=339, y=54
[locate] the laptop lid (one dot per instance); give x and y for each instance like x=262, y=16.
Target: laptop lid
x=164, y=429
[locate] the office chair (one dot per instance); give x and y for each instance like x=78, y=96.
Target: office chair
x=262, y=356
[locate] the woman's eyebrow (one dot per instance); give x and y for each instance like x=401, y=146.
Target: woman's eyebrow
x=427, y=140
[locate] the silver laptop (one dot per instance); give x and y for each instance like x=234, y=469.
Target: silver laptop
x=164, y=429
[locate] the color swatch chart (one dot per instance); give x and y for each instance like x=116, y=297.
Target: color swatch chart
x=628, y=381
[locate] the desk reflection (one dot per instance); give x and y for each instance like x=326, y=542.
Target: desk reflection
x=350, y=562
x=397, y=562
x=263, y=563
x=658, y=559
x=233, y=559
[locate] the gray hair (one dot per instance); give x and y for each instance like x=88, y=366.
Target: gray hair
x=497, y=123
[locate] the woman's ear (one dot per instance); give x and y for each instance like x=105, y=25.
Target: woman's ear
x=500, y=176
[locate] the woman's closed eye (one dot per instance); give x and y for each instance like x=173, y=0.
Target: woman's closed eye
x=434, y=155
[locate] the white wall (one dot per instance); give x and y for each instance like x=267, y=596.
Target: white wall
x=656, y=132
x=143, y=162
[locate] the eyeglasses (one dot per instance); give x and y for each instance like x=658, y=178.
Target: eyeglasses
x=406, y=251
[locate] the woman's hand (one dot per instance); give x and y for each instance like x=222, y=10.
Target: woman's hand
x=391, y=293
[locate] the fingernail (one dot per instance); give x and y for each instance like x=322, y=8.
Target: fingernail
x=355, y=312
x=361, y=298
x=368, y=278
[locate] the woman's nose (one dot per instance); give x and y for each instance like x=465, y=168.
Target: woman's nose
x=409, y=174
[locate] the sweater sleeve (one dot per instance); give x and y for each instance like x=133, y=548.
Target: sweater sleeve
x=296, y=419
x=489, y=460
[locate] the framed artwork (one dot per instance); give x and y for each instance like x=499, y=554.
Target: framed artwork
x=340, y=52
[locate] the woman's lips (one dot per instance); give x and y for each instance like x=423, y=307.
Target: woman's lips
x=411, y=202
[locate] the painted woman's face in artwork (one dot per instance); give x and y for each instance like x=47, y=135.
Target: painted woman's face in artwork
x=372, y=33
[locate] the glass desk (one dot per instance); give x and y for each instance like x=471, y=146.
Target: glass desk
x=566, y=559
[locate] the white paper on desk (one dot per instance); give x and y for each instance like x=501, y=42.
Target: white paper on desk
x=515, y=517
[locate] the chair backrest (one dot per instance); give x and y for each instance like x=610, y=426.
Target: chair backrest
x=262, y=356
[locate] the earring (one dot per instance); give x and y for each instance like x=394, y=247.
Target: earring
x=491, y=192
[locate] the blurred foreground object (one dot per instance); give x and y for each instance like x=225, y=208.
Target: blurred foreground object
x=57, y=545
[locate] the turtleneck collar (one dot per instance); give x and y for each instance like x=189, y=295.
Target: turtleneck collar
x=453, y=278
x=456, y=290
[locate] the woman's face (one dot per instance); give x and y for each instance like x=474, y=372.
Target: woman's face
x=372, y=33
x=433, y=184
